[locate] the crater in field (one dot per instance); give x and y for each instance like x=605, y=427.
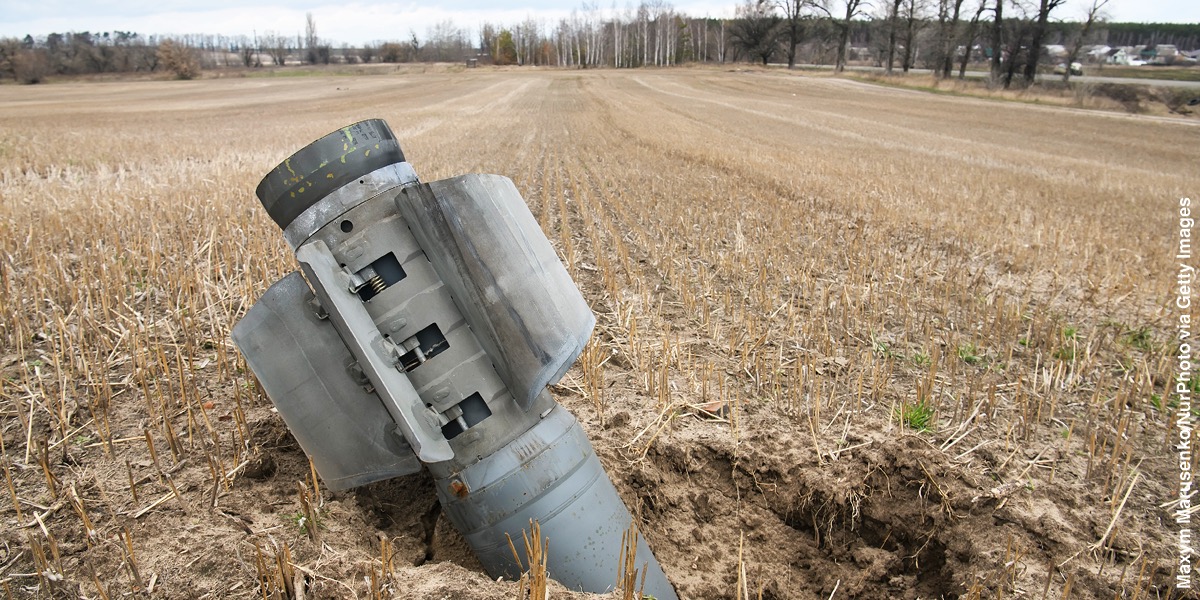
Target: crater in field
x=805, y=527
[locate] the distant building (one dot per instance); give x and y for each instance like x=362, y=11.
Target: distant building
x=860, y=53
x=1120, y=56
x=1164, y=54
x=1099, y=53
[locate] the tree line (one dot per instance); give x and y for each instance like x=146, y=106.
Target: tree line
x=944, y=35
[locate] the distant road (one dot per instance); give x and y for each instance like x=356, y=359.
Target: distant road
x=984, y=75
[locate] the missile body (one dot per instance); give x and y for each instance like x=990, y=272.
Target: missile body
x=428, y=322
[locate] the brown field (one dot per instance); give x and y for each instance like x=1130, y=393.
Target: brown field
x=944, y=329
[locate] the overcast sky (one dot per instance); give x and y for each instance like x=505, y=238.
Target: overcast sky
x=359, y=21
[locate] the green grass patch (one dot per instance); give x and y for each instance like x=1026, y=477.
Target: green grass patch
x=1140, y=338
x=969, y=353
x=916, y=415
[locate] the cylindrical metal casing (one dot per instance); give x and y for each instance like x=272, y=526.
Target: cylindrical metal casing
x=449, y=301
x=551, y=475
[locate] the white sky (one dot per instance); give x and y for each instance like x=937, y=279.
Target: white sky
x=359, y=21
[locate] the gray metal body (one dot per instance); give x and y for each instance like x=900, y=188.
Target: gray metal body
x=573, y=500
x=302, y=362
x=438, y=315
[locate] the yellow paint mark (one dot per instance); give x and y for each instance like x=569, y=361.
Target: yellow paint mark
x=301, y=190
x=329, y=176
x=349, y=136
x=345, y=146
x=288, y=163
x=293, y=194
x=343, y=159
x=376, y=146
x=366, y=154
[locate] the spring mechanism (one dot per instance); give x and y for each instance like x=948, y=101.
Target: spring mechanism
x=377, y=284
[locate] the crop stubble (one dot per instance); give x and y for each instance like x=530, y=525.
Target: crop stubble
x=780, y=266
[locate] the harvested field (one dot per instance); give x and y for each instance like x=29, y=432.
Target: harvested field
x=852, y=341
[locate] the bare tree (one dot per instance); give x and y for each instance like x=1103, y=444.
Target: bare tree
x=595, y=33
x=311, y=41
x=1095, y=14
x=665, y=33
x=643, y=17
x=853, y=8
x=31, y=66
x=247, y=52
x=23, y=62
x=444, y=41
x=1035, y=42
x=618, y=39
x=913, y=12
x=179, y=59
x=1017, y=51
x=526, y=38
x=948, y=16
x=315, y=50
x=794, y=14
x=367, y=53
x=969, y=38
x=414, y=47
x=756, y=30
x=721, y=44
x=893, y=28
x=487, y=39
x=392, y=52
x=277, y=47
x=997, y=40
